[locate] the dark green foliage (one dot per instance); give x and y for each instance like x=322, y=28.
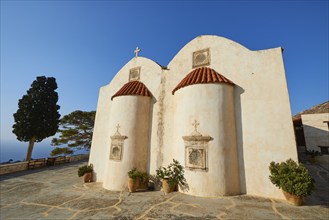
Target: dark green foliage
x=292, y=177
x=61, y=151
x=313, y=153
x=85, y=169
x=174, y=172
x=133, y=174
x=76, y=130
x=142, y=175
x=37, y=115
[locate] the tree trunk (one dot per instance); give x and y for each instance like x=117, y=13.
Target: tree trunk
x=30, y=149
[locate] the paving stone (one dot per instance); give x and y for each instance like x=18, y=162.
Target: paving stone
x=58, y=193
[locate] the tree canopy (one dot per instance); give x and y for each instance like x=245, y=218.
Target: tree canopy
x=37, y=116
x=76, y=130
x=61, y=151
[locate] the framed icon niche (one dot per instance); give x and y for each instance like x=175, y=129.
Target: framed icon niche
x=196, y=155
x=134, y=74
x=117, y=145
x=196, y=149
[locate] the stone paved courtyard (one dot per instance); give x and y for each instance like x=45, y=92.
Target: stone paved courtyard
x=58, y=193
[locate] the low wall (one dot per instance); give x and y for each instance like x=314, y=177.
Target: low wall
x=13, y=167
x=79, y=157
x=20, y=166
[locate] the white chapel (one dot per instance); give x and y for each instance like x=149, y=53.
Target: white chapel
x=218, y=108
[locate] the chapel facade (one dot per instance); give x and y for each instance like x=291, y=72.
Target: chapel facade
x=218, y=108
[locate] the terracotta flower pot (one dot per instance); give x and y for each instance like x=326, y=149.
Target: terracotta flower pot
x=166, y=186
x=132, y=184
x=293, y=199
x=87, y=177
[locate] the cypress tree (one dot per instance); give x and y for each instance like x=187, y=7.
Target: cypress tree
x=37, y=116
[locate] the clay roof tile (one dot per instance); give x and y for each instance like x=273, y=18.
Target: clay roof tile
x=132, y=88
x=202, y=75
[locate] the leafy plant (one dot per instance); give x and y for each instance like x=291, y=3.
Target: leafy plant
x=85, y=169
x=292, y=177
x=142, y=175
x=313, y=153
x=174, y=173
x=133, y=174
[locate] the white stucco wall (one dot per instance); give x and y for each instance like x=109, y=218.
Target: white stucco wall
x=216, y=102
x=132, y=114
x=315, y=130
x=263, y=118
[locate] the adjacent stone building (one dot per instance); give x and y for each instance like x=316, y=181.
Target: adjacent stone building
x=219, y=108
x=312, y=128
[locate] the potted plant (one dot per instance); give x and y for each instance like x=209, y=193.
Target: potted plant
x=171, y=176
x=312, y=154
x=133, y=180
x=143, y=179
x=86, y=171
x=294, y=180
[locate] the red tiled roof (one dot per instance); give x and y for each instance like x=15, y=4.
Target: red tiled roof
x=200, y=76
x=317, y=109
x=132, y=88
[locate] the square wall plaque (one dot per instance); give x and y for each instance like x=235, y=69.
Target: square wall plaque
x=201, y=58
x=196, y=156
x=134, y=74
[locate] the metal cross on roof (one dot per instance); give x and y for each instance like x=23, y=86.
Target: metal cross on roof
x=118, y=126
x=195, y=124
x=137, y=51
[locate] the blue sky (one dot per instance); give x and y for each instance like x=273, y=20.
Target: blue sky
x=84, y=43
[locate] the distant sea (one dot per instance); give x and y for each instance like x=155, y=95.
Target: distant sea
x=16, y=150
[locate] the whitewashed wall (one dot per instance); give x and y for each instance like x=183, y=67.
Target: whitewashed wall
x=132, y=114
x=315, y=130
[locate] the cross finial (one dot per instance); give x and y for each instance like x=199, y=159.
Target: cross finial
x=118, y=126
x=195, y=124
x=137, y=51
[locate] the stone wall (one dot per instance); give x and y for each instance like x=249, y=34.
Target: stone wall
x=79, y=157
x=15, y=167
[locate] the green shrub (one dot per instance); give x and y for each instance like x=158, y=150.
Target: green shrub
x=134, y=174
x=292, y=177
x=313, y=153
x=174, y=173
x=85, y=169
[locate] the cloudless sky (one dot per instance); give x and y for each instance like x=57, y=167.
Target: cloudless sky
x=83, y=44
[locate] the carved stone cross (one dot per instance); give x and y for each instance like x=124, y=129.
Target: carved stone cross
x=137, y=51
x=118, y=126
x=195, y=124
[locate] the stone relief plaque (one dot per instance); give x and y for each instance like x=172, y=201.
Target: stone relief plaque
x=134, y=74
x=196, y=149
x=116, y=151
x=195, y=157
x=201, y=58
